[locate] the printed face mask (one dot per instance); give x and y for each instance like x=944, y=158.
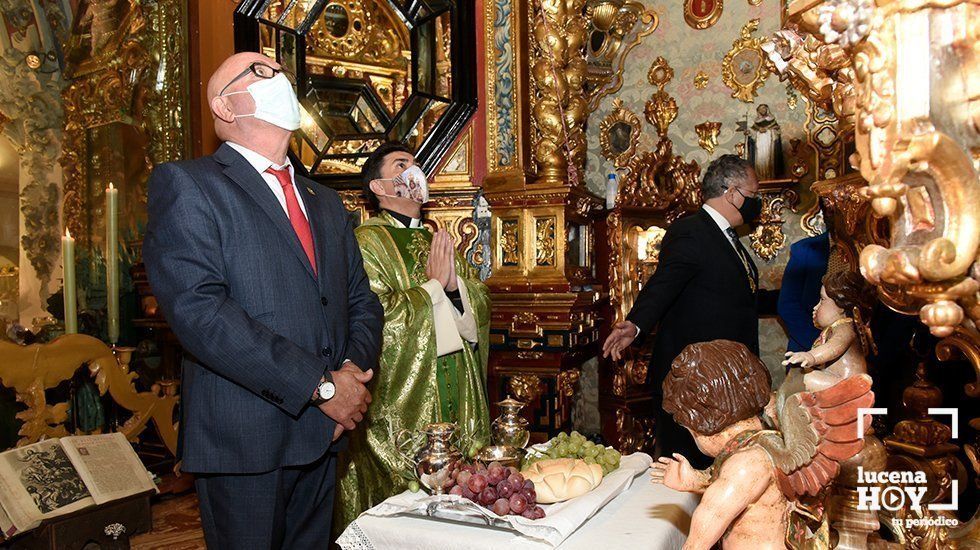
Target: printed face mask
x=275, y=102
x=411, y=184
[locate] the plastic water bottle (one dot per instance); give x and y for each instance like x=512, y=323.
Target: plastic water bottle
x=612, y=188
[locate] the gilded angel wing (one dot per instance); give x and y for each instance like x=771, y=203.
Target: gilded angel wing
x=818, y=431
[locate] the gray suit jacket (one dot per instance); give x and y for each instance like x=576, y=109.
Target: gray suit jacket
x=258, y=326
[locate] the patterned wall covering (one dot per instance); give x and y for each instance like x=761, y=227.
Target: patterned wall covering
x=690, y=52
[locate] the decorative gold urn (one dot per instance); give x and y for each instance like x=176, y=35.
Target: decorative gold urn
x=510, y=428
x=436, y=458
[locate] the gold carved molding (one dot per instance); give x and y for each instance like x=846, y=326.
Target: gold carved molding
x=915, y=135
x=708, y=135
x=745, y=67
x=527, y=388
x=821, y=72
x=567, y=380
x=701, y=80
x=767, y=239
x=615, y=28
x=140, y=82
x=452, y=210
x=611, y=134
x=661, y=108
x=559, y=103
x=30, y=370
x=635, y=433
x=660, y=180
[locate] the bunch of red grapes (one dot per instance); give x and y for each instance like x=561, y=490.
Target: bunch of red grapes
x=501, y=489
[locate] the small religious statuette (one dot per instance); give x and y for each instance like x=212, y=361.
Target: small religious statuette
x=845, y=306
x=763, y=144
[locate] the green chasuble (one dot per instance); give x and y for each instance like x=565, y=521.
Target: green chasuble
x=414, y=386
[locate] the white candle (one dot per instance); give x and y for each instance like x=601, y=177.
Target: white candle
x=71, y=303
x=112, y=262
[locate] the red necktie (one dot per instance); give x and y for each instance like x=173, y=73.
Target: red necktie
x=300, y=224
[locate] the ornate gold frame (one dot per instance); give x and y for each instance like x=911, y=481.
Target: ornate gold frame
x=696, y=22
x=661, y=108
x=620, y=114
x=745, y=43
x=624, y=24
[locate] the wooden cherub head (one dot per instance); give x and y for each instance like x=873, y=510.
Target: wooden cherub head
x=844, y=294
x=715, y=389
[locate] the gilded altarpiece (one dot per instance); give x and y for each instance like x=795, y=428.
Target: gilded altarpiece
x=902, y=75
x=125, y=107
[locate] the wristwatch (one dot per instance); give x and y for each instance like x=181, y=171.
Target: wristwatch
x=323, y=392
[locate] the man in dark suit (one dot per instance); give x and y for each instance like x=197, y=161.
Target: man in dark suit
x=706, y=287
x=258, y=274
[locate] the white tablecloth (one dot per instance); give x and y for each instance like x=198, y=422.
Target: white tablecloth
x=646, y=516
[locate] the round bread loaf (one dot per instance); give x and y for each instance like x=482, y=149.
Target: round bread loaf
x=559, y=479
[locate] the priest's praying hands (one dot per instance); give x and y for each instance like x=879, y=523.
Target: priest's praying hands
x=441, y=265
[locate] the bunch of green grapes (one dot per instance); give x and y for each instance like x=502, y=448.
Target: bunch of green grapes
x=576, y=446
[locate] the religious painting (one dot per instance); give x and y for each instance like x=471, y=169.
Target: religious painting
x=701, y=14
x=97, y=32
x=744, y=68
x=619, y=133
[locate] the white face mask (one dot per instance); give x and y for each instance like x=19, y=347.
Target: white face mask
x=411, y=184
x=275, y=102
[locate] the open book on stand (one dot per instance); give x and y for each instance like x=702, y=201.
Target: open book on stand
x=54, y=477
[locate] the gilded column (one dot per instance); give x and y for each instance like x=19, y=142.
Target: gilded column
x=545, y=311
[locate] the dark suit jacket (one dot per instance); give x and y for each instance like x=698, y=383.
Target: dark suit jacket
x=699, y=292
x=800, y=290
x=259, y=327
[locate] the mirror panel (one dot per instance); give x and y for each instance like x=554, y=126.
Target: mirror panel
x=369, y=71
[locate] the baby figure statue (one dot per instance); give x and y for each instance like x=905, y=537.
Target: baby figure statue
x=751, y=494
x=842, y=313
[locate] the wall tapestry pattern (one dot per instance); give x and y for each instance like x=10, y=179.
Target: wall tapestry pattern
x=696, y=57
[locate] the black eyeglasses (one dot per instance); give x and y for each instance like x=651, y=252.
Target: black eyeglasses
x=260, y=70
x=739, y=191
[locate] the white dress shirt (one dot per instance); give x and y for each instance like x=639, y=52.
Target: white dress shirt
x=451, y=326
x=260, y=163
x=721, y=221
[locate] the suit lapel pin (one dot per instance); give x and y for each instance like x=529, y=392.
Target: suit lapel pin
x=311, y=191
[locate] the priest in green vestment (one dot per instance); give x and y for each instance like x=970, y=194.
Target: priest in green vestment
x=433, y=365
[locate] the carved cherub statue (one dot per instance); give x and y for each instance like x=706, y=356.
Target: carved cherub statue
x=717, y=390
x=845, y=305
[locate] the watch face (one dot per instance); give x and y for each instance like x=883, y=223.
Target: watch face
x=326, y=390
